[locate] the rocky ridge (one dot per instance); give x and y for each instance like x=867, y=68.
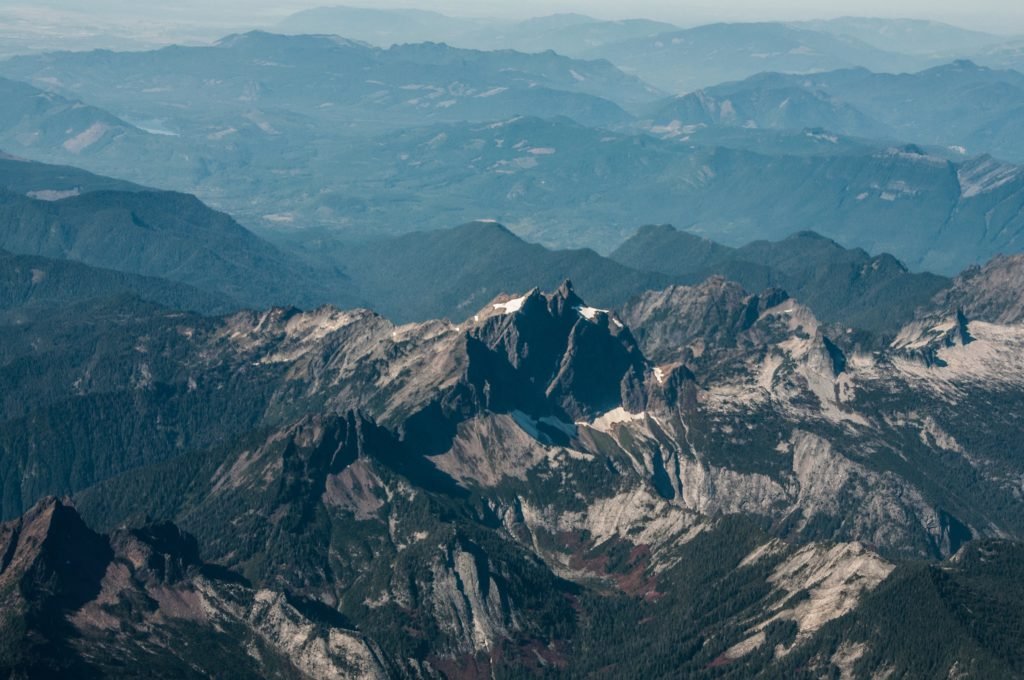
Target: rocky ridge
x=494, y=474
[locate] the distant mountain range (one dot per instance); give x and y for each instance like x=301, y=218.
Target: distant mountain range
x=722, y=52
x=566, y=185
x=962, y=106
x=840, y=285
x=276, y=81
x=555, y=181
x=569, y=34
x=451, y=273
x=657, y=51
x=429, y=274
x=380, y=27
x=909, y=36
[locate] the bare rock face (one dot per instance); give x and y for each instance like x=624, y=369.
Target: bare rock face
x=77, y=602
x=930, y=333
x=993, y=292
x=50, y=559
x=583, y=359
x=681, y=321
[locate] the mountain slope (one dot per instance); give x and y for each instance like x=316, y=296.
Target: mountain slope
x=451, y=273
x=26, y=280
x=1008, y=54
x=718, y=53
x=80, y=603
x=565, y=185
x=32, y=117
x=44, y=181
x=748, y=106
x=961, y=105
x=910, y=36
x=173, y=236
x=841, y=285
x=68, y=214
x=959, y=617
x=989, y=292
x=157, y=597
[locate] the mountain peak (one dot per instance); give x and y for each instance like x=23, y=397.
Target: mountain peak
x=808, y=235
x=565, y=297
x=965, y=65
x=486, y=225
x=563, y=352
x=52, y=555
x=258, y=39
x=656, y=229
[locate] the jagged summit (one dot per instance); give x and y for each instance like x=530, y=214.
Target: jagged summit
x=582, y=357
x=444, y=473
x=563, y=303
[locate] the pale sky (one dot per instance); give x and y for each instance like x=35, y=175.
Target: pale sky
x=1001, y=16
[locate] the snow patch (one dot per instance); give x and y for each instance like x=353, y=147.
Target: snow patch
x=823, y=137
x=604, y=422
x=591, y=314
x=53, y=194
x=510, y=307
x=492, y=92
x=83, y=140
x=160, y=132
